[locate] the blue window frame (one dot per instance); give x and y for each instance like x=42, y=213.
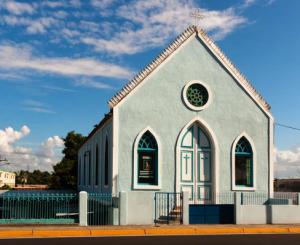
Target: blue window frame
x=243, y=163
x=147, y=160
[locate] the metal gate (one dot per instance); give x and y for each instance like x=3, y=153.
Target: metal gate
x=100, y=208
x=211, y=213
x=168, y=207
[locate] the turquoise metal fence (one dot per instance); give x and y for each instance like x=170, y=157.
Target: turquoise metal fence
x=101, y=208
x=38, y=207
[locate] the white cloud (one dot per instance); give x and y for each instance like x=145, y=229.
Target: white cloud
x=39, y=109
x=150, y=24
x=9, y=136
x=287, y=163
x=12, y=57
x=75, y=3
x=89, y=83
x=48, y=147
x=36, y=106
x=17, y=8
x=102, y=4
x=33, y=26
x=40, y=25
x=248, y=3
x=57, y=88
x=44, y=157
x=270, y=2
x=53, y=4
x=60, y=14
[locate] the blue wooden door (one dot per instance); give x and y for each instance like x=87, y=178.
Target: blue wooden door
x=211, y=214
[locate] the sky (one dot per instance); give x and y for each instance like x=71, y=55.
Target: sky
x=60, y=62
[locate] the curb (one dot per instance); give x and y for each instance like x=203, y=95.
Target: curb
x=46, y=233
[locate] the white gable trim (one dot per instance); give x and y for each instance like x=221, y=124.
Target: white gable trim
x=157, y=69
x=179, y=42
x=248, y=88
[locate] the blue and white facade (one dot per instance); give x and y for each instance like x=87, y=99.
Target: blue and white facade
x=189, y=121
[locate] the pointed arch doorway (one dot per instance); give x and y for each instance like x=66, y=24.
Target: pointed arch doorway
x=195, y=158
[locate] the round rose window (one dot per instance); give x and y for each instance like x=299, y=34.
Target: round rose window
x=196, y=95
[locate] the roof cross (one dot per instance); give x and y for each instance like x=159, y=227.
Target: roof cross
x=196, y=14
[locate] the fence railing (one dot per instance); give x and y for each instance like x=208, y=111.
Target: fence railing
x=212, y=198
x=282, y=197
x=100, y=208
x=247, y=198
x=39, y=207
x=168, y=207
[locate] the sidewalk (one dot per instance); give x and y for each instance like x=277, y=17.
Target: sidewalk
x=163, y=230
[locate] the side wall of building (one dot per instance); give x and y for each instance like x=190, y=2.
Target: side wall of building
x=157, y=103
x=87, y=167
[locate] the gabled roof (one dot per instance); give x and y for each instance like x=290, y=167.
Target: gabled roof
x=173, y=47
x=98, y=126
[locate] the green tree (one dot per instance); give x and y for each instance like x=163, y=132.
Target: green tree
x=65, y=172
x=36, y=177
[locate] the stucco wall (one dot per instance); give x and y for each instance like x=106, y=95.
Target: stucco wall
x=98, y=138
x=158, y=103
x=136, y=208
x=285, y=214
x=252, y=214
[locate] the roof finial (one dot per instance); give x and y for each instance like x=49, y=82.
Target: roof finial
x=196, y=14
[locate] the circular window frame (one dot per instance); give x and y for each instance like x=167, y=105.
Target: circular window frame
x=186, y=101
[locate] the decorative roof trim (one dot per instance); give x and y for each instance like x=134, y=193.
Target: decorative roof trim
x=173, y=47
x=100, y=125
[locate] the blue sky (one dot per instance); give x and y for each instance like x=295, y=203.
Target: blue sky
x=60, y=61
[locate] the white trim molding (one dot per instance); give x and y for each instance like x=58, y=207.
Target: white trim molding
x=271, y=157
x=186, y=101
x=214, y=153
x=136, y=185
x=115, y=151
x=234, y=187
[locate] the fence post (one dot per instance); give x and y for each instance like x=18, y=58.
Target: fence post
x=237, y=208
x=116, y=207
x=123, y=208
x=83, y=208
x=185, y=203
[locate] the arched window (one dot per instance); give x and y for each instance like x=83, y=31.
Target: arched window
x=243, y=163
x=97, y=165
x=147, y=160
x=106, y=163
x=78, y=171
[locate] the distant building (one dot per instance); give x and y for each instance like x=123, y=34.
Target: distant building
x=7, y=178
x=287, y=185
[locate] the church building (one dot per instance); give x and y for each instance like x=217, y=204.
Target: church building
x=189, y=121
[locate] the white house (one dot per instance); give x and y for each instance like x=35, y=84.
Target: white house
x=189, y=121
x=7, y=178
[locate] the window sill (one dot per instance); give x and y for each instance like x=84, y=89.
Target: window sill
x=243, y=188
x=146, y=187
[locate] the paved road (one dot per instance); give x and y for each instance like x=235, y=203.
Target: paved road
x=173, y=240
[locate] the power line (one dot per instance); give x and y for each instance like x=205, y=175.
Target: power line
x=287, y=126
